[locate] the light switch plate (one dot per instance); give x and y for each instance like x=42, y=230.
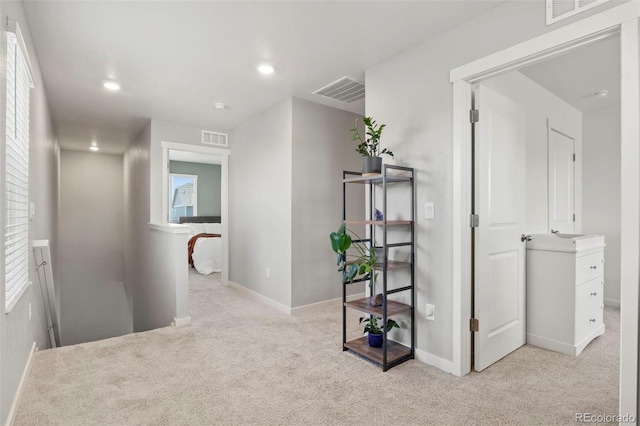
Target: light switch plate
x=429, y=211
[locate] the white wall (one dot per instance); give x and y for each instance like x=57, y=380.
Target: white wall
x=286, y=198
x=322, y=149
x=156, y=272
x=93, y=299
x=260, y=185
x=540, y=105
x=601, y=190
x=412, y=94
x=17, y=333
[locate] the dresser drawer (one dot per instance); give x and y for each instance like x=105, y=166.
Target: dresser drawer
x=589, y=267
x=589, y=308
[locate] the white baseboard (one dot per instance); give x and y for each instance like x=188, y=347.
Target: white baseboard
x=435, y=361
x=286, y=309
x=181, y=322
x=260, y=298
x=23, y=381
x=612, y=303
x=323, y=305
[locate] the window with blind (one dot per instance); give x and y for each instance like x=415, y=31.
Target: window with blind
x=16, y=233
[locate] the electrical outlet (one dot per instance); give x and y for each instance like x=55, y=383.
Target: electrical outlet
x=430, y=312
x=268, y=273
x=29, y=311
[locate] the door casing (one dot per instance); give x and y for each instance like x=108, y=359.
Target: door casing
x=623, y=19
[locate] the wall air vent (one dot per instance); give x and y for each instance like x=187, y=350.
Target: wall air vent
x=345, y=89
x=558, y=10
x=215, y=138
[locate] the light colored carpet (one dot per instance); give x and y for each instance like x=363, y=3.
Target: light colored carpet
x=242, y=362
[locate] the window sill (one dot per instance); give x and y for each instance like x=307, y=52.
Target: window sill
x=17, y=297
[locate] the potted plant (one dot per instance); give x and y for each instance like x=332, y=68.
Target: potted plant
x=374, y=328
x=369, y=147
x=358, y=264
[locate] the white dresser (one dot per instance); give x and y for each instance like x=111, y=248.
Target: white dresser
x=565, y=286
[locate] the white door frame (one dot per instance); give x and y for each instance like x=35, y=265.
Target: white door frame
x=622, y=19
x=224, y=191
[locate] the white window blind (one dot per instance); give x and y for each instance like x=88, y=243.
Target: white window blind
x=16, y=233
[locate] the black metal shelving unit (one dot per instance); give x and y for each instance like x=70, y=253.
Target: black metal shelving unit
x=391, y=353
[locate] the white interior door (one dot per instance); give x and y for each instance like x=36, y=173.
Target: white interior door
x=499, y=253
x=561, y=169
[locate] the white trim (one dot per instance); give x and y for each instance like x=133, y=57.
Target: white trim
x=181, y=322
x=626, y=18
x=461, y=230
x=612, y=303
x=548, y=44
x=260, y=298
x=23, y=382
x=436, y=361
x=312, y=307
x=630, y=216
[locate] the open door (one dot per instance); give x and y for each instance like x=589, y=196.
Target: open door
x=499, y=203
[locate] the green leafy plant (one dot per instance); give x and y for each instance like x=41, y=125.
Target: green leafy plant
x=357, y=264
x=372, y=326
x=370, y=145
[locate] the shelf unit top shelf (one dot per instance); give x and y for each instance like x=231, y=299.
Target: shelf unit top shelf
x=393, y=307
x=377, y=222
x=395, y=351
x=377, y=179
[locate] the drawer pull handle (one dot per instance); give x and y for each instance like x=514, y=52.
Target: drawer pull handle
x=593, y=267
x=594, y=294
x=592, y=320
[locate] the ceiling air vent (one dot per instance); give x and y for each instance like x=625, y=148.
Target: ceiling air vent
x=558, y=10
x=345, y=89
x=214, y=138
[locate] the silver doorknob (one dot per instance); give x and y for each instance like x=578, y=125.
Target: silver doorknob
x=524, y=238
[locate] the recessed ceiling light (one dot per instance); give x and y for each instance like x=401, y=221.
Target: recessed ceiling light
x=266, y=68
x=220, y=106
x=94, y=148
x=600, y=93
x=111, y=85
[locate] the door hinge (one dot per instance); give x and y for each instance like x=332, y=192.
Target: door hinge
x=574, y=217
x=474, y=115
x=474, y=325
x=474, y=221
x=574, y=158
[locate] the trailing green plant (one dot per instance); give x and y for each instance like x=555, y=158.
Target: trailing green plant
x=357, y=264
x=370, y=145
x=372, y=326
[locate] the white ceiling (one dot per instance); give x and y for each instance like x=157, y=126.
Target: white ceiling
x=175, y=59
x=576, y=75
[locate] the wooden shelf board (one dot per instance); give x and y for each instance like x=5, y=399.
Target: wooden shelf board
x=392, y=264
x=393, y=307
x=395, y=351
x=377, y=179
x=377, y=222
